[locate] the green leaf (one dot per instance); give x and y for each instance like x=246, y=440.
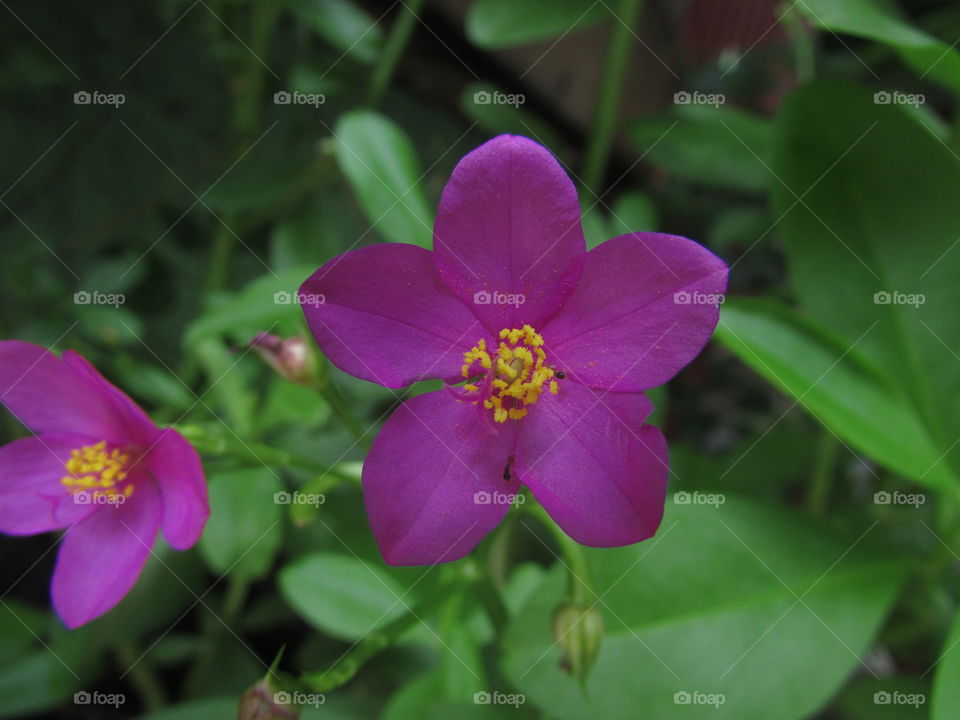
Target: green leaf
x=945, y=704
x=343, y=596
x=708, y=607
x=824, y=378
x=380, y=163
x=869, y=247
x=716, y=146
x=495, y=24
x=868, y=19
x=342, y=24
x=243, y=533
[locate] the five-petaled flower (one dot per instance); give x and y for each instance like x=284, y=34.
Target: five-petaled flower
x=545, y=350
x=97, y=467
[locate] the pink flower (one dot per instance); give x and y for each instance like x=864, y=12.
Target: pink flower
x=546, y=350
x=97, y=467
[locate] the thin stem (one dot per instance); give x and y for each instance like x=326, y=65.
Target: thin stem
x=608, y=101
x=821, y=477
x=377, y=641
x=579, y=584
x=396, y=43
x=489, y=596
x=339, y=407
x=145, y=682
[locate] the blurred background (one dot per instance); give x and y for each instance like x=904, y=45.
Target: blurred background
x=172, y=171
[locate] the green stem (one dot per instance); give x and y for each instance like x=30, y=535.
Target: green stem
x=375, y=642
x=396, y=43
x=209, y=443
x=489, y=596
x=145, y=682
x=822, y=474
x=802, y=41
x=339, y=407
x=608, y=101
x=579, y=585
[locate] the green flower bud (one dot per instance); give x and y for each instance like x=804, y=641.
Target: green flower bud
x=578, y=629
x=265, y=702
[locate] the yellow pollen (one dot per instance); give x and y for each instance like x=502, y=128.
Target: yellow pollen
x=94, y=468
x=520, y=372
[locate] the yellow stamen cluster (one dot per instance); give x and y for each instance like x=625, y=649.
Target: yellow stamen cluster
x=519, y=369
x=93, y=467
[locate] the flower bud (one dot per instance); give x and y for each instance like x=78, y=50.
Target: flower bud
x=578, y=630
x=265, y=702
x=292, y=358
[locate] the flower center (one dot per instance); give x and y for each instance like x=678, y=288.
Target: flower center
x=514, y=376
x=98, y=474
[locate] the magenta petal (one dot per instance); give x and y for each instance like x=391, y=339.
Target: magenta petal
x=32, y=498
x=49, y=395
x=641, y=311
x=508, y=227
x=433, y=481
x=101, y=557
x=178, y=473
x=140, y=429
x=381, y=313
x=596, y=469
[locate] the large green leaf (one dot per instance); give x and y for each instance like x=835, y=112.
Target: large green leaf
x=872, y=20
x=243, y=533
x=505, y=23
x=870, y=245
x=716, y=146
x=342, y=24
x=343, y=596
x=945, y=704
x=711, y=606
x=381, y=165
x=824, y=378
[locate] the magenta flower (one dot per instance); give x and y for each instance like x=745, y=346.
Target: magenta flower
x=97, y=467
x=545, y=348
